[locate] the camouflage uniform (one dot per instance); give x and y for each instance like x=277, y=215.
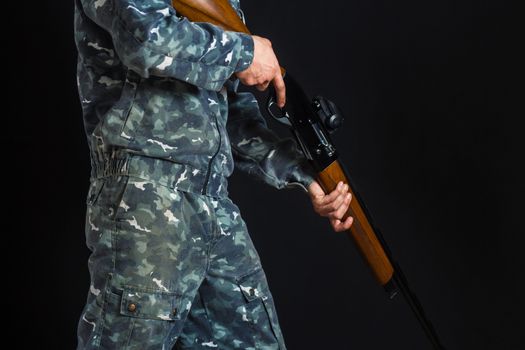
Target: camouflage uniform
x=172, y=264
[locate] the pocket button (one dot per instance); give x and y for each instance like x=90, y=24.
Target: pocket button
x=132, y=307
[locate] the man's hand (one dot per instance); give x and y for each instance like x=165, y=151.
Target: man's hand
x=264, y=69
x=333, y=205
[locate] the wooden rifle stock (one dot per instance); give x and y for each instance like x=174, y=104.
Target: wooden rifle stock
x=219, y=13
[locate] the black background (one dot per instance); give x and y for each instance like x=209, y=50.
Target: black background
x=433, y=141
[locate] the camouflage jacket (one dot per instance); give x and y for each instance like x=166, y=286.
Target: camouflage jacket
x=154, y=84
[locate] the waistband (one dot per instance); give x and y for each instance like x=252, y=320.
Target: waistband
x=181, y=177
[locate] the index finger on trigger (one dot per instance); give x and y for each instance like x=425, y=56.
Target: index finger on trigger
x=280, y=90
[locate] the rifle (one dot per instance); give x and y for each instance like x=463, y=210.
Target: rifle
x=311, y=122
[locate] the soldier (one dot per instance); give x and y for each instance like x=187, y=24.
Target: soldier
x=172, y=264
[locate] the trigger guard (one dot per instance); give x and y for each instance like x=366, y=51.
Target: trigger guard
x=283, y=118
x=271, y=102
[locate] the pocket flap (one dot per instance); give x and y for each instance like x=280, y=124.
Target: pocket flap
x=253, y=285
x=151, y=305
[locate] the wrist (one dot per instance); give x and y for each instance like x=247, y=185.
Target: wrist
x=246, y=52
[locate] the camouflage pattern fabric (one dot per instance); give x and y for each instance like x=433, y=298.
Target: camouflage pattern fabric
x=172, y=264
x=171, y=268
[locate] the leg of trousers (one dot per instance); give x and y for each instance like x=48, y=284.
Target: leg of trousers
x=172, y=269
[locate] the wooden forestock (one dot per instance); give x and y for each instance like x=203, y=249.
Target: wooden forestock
x=220, y=12
x=361, y=230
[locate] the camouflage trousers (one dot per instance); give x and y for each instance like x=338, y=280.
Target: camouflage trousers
x=171, y=269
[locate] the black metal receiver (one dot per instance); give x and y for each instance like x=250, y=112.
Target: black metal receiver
x=311, y=122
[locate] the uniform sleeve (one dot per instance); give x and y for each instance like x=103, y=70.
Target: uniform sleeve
x=151, y=39
x=258, y=151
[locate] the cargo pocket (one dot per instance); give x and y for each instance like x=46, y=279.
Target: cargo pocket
x=138, y=318
x=260, y=311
